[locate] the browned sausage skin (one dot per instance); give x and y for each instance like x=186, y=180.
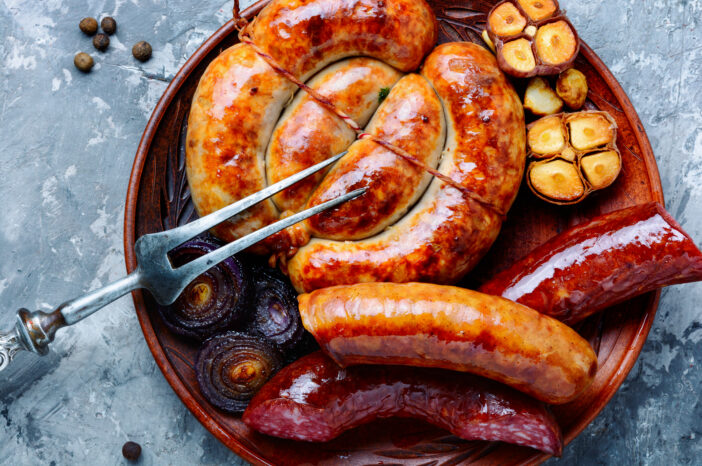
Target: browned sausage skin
x=240, y=96
x=307, y=133
x=427, y=325
x=303, y=36
x=234, y=108
x=410, y=118
x=445, y=234
x=602, y=262
x=315, y=400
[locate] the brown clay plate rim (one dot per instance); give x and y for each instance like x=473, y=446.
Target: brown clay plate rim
x=159, y=355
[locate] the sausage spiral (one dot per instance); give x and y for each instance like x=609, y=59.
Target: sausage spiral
x=459, y=117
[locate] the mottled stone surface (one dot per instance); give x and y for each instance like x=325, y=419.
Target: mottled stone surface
x=67, y=141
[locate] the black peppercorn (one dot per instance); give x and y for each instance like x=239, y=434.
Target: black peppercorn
x=108, y=25
x=101, y=42
x=88, y=25
x=83, y=62
x=142, y=50
x=131, y=451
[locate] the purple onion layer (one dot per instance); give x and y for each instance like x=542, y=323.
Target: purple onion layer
x=275, y=313
x=232, y=367
x=215, y=301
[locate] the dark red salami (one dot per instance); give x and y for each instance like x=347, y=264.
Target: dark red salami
x=600, y=263
x=315, y=400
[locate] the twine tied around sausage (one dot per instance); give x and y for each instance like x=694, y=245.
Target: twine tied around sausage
x=245, y=37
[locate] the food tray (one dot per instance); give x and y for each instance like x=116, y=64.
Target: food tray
x=158, y=198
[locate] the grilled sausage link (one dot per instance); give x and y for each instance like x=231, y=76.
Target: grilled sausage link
x=240, y=96
x=602, y=262
x=306, y=35
x=410, y=118
x=233, y=111
x=307, y=133
x=445, y=234
x=315, y=400
x=426, y=325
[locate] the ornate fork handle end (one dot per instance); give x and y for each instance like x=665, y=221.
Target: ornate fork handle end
x=10, y=344
x=33, y=331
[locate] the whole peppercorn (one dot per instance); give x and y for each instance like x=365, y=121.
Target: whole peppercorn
x=101, y=42
x=83, y=62
x=108, y=25
x=88, y=25
x=142, y=50
x=131, y=451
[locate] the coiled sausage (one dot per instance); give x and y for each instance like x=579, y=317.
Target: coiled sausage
x=445, y=234
x=240, y=96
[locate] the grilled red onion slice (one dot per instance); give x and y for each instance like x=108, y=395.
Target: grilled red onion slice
x=232, y=367
x=213, y=302
x=275, y=313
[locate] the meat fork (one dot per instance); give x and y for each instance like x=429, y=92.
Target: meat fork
x=33, y=331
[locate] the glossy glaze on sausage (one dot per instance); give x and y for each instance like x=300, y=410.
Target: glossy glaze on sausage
x=315, y=400
x=240, y=96
x=410, y=118
x=445, y=234
x=303, y=36
x=233, y=111
x=307, y=133
x=602, y=262
x=425, y=325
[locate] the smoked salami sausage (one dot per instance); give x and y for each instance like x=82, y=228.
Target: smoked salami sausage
x=315, y=400
x=602, y=262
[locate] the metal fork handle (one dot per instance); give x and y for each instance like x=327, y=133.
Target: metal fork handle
x=33, y=331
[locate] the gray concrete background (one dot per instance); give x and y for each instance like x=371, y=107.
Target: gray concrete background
x=67, y=142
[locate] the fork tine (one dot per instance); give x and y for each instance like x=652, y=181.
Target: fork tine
x=188, y=272
x=181, y=234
